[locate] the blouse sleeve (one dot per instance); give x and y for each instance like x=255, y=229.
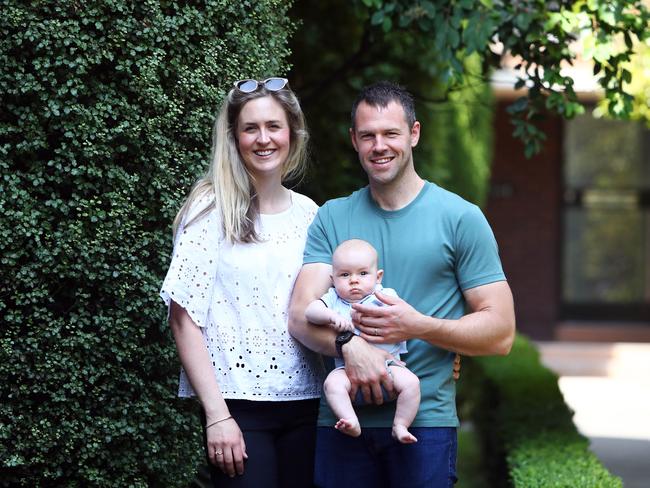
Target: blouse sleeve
x=193, y=269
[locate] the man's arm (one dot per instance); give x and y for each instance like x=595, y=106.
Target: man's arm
x=312, y=282
x=488, y=329
x=364, y=364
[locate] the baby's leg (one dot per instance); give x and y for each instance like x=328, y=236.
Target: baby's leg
x=407, y=386
x=337, y=391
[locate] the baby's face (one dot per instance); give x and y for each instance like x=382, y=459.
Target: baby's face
x=354, y=275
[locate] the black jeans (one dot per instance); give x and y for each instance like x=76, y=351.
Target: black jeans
x=280, y=442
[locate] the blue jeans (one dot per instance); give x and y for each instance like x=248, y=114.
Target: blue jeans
x=376, y=460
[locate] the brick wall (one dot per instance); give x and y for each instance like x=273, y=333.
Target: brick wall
x=524, y=211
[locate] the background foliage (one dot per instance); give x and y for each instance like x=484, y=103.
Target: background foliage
x=639, y=84
x=539, y=33
x=526, y=430
x=107, y=110
x=455, y=144
x=444, y=52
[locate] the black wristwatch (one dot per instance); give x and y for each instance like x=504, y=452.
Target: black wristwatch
x=343, y=338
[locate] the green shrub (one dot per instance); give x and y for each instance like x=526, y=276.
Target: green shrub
x=526, y=428
x=107, y=108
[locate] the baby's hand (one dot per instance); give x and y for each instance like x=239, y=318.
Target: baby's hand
x=341, y=324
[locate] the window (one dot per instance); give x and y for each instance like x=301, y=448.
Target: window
x=606, y=219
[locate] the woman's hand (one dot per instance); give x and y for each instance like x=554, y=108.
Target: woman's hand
x=226, y=447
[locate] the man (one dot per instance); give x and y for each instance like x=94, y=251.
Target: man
x=439, y=254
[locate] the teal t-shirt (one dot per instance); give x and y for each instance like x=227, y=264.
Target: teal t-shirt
x=430, y=251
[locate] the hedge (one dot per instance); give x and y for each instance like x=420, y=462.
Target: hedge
x=526, y=429
x=107, y=108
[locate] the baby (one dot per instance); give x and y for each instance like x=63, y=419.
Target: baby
x=355, y=277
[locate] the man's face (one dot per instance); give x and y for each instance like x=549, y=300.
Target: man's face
x=384, y=142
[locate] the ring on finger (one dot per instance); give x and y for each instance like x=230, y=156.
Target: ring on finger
x=219, y=452
x=376, y=331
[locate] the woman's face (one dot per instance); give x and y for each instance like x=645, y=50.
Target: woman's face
x=263, y=135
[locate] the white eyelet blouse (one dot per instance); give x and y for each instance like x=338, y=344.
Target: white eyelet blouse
x=239, y=295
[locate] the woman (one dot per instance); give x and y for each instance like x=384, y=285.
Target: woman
x=238, y=247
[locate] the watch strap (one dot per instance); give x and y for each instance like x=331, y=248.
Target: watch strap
x=341, y=339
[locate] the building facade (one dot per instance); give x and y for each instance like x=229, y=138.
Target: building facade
x=573, y=226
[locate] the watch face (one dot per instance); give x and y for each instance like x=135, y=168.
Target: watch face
x=344, y=337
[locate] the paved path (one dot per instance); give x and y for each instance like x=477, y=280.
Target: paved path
x=608, y=387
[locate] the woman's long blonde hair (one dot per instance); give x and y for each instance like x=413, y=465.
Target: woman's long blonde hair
x=227, y=183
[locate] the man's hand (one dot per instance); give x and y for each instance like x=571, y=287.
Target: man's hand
x=365, y=366
x=396, y=321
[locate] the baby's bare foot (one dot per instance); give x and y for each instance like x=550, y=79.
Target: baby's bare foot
x=401, y=434
x=349, y=427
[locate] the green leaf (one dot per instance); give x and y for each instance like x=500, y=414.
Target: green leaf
x=377, y=18
x=518, y=105
x=404, y=21
x=603, y=52
x=628, y=40
x=387, y=24
x=626, y=76
x=523, y=21
x=429, y=8
x=597, y=67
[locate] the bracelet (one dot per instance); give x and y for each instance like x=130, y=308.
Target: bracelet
x=217, y=421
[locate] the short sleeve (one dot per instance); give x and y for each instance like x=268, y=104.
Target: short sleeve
x=329, y=298
x=374, y=300
x=318, y=248
x=477, y=253
x=389, y=292
x=192, y=272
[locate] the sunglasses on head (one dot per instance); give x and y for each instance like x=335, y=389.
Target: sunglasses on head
x=271, y=84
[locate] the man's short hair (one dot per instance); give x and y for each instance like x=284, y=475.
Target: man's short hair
x=380, y=94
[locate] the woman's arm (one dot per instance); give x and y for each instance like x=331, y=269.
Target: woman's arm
x=223, y=436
